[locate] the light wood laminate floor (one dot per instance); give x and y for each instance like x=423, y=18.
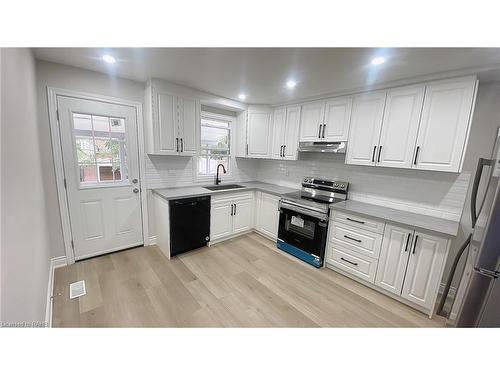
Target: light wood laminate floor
x=243, y=282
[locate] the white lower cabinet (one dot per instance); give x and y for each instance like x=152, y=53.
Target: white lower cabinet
x=267, y=215
x=231, y=214
x=354, y=263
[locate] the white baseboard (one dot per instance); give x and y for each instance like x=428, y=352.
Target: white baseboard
x=152, y=240
x=54, y=263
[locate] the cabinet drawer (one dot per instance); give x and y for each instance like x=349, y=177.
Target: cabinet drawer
x=224, y=197
x=359, y=221
x=360, y=241
x=351, y=262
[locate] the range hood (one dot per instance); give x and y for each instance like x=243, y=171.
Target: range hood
x=336, y=147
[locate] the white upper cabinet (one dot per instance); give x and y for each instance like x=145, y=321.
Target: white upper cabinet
x=279, y=127
x=172, y=123
x=444, y=125
x=259, y=132
x=311, y=119
x=241, y=134
x=364, y=132
x=425, y=268
x=326, y=121
x=337, y=119
x=286, y=122
x=403, y=107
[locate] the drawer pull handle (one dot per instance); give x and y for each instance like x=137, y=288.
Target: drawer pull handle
x=348, y=261
x=353, y=239
x=356, y=221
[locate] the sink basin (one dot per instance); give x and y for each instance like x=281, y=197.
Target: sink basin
x=223, y=187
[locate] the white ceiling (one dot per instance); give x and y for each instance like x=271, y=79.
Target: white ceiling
x=261, y=73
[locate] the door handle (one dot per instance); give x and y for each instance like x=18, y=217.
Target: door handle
x=232, y=209
x=281, y=151
x=182, y=145
x=416, y=155
x=353, y=239
x=379, y=151
x=134, y=181
x=407, y=242
x=235, y=209
x=324, y=127
x=477, y=179
x=284, y=148
x=415, y=244
x=135, y=190
x=176, y=144
x=348, y=261
x=319, y=133
x=373, y=155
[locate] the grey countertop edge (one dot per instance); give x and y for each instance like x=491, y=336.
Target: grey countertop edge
x=437, y=225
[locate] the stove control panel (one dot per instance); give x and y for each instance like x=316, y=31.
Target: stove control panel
x=324, y=184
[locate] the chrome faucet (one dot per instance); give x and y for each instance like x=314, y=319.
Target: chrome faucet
x=217, y=179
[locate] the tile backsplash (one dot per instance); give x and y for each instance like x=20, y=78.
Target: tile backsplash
x=432, y=193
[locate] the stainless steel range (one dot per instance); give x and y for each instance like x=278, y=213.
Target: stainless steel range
x=303, y=224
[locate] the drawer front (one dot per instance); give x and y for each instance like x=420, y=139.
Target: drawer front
x=359, y=222
x=361, y=241
x=351, y=262
x=225, y=197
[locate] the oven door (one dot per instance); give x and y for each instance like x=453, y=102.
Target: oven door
x=304, y=232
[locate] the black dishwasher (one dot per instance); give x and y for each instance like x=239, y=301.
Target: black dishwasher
x=189, y=224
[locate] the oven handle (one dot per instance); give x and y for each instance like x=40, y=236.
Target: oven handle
x=305, y=211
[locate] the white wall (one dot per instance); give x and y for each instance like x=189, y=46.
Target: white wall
x=25, y=242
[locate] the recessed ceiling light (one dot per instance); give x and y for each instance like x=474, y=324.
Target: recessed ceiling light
x=109, y=59
x=242, y=96
x=291, y=84
x=378, y=60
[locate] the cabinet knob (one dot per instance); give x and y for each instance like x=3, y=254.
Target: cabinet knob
x=135, y=190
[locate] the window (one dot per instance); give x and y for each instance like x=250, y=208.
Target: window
x=100, y=148
x=215, y=145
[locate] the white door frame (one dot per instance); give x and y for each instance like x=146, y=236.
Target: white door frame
x=52, y=94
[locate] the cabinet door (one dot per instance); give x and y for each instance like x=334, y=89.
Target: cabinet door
x=403, y=107
x=425, y=268
x=268, y=217
x=259, y=134
x=243, y=215
x=291, y=136
x=240, y=134
x=337, y=118
x=444, y=125
x=364, y=132
x=393, y=259
x=166, y=125
x=279, y=119
x=221, y=221
x=189, y=125
x=312, y=115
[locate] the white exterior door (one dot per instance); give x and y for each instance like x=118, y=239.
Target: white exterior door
x=291, y=136
x=189, y=124
x=444, y=125
x=311, y=118
x=221, y=221
x=364, y=132
x=279, y=119
x=423, y=275
x=259, y=134
x=166, y=139
x=393, y=258
x=242, y=215
x=403, y=107
x=337, y=119
x=101, y=165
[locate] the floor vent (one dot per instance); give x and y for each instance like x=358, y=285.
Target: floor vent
x=77, y=289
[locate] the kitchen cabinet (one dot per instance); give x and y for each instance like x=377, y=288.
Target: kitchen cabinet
x=444, y=126
x=231, y=214
x=366, y=122
x=259, y=132
x=286, y=121
x=267, y=214
x=325, y=121
x=172, y=123
x=394, y=258
x=425, y=268
x=403, y=107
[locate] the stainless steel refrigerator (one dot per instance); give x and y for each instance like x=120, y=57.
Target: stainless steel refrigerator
x=480, y=306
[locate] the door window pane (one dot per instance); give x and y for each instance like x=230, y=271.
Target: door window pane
x=100, y=148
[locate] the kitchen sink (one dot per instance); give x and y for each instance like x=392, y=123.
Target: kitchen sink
x=223, y=187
